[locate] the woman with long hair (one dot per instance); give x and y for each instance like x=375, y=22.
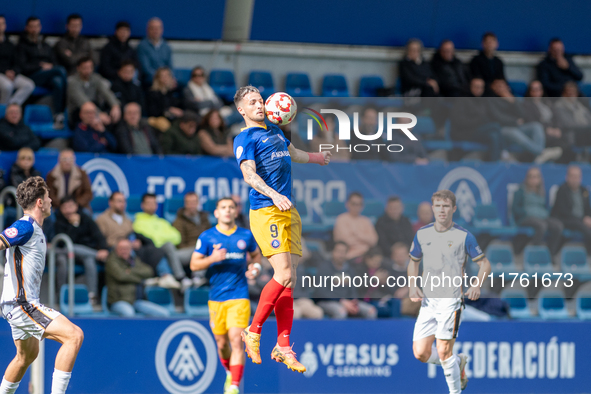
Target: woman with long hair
x=213, y=135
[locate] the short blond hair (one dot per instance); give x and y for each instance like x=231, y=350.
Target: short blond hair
x=444, y=195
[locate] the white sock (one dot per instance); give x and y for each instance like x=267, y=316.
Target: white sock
x=8, y=387
x=60, y=381
x=451, y=370
x=434, y=357
x=233, y=386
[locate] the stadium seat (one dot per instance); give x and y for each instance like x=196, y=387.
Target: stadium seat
x=160, y=296
x=134, y=205
x=373, y=209
x=573, y=259
x=552, y=305
x=501, y=259
x=171, y=207
x=583, y=302
x=40, y=119
x=369, y=85
x=537, y=259
x=182, y=75
x=99, y=205
x=298, y=85
x=308, y=223
x=223, y=84
x=517, y=300
x=425, y=125
x=263, y=81
x=519, y=88
x=487, y=220
x=2, y=110
x=82, y=304
x=330, y=211
x=334, y=85
x=196, y=302
x=390, y=308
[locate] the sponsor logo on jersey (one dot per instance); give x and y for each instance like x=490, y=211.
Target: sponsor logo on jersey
x=234, y=256
x=450, y=243
x=11, y=232
x=241, y=244
x=280, y=154
x=275, y=243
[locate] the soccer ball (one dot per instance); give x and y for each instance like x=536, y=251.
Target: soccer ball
x=280, y=108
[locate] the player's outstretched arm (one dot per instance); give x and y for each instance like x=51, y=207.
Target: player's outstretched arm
x=249, y=172
x=299, y=156
x=473, y=292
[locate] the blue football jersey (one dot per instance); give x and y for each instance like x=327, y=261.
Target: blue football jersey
x=268, y=148
x=227, y=278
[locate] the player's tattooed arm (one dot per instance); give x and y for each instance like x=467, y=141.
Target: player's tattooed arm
x=249, y=172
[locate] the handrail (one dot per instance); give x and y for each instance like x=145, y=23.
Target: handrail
x=71, y=260
x=19, y=210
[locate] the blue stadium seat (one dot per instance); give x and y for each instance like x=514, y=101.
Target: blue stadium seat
x=99, y=205
x=537, y=259
x=82, y=304
x=182, y=75
x=501, y=259
x=196, y=302
x=517, y=300
x=373, y=209
x=160, y=296
x=40, y=119
x=134, y=205
x=552, y=305
x=334, y=85
x=2, y=110
x=586, y=89
x=519, y=88
x=308, y=224
x=583, y=302
x=223, y=83
x=263, y=81
x=369, y=85
x=573, y=259
x=425, y=125
x=487, y=220
x=298, y=85
x=171, y=207
x=330, y=210
x=390, y=308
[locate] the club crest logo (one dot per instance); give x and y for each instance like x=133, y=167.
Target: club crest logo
x=275, y=243
x=241, y=244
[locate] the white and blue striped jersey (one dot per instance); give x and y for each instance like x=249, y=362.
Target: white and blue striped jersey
x=444, y=254
x=26, y=247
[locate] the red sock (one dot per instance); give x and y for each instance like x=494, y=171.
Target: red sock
x=269, y=296
x=237, y=371
x=284, y=314
x=225, y=363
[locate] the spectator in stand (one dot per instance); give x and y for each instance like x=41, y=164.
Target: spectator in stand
x=134, y=134
x=241, y=218
x=374, y=264
x=573, y=116
x=14, y=87
x=449, y=72
x=368, y=126
x=153, y=52
x=87, y=86
x=303, y=305
x=329, y=136
x=505, y=110
x=487, y=65
x=190, y=222
x=164, y=236
x=416, y=77
x=67, y=179
x=556, y=69
x=14, y=133
x=529, y=210
x=116, y=52
x=89, y=244
x=341, y=302
x=182, y=138
x=161, y=99
x=537, y=109
x=393, y=226
x=72, y=46
x=125, y=277
x=571, y=206
x=124, y=87
x=353, y=229
x=23, y=169
x=425, y=216
x=115, y=225
x=214, y=137
x=36, y=60
x=91, y=135
x=198, y=96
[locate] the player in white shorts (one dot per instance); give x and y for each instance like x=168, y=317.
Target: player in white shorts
x=29, y=320
x=444, y=248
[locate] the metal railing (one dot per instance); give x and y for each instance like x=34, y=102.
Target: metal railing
x=19, y=211
x=51, y=268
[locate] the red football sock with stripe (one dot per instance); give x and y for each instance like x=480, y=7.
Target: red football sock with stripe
x=284, y=314
x=237, y=371
x=269, y=296
x=225, y=363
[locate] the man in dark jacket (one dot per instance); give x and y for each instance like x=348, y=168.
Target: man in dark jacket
x=182, y=138
x=117, y=51
x=36, y=60
x=556, y=69
x=134, y=134
x=393, y=226
x=125, y=89
x=90, y=135
x=23, y=169
x=191, y=223
x=572, y=207
x=14, y=134
x=449, y=71
x=487, y=65
x=11, y=81
x=72, y=46
x=89, y=244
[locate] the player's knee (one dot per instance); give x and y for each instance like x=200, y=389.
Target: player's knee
x=76, y=336
x=283, y=277
x=421, y=354
x=236, y=344
x=221, y=343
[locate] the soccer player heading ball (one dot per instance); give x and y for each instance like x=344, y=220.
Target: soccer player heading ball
x=444, y=248
x=264, y=156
